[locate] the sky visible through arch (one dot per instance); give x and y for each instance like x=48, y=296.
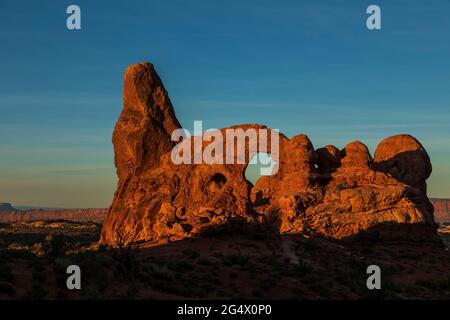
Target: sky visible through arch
x=298, y=66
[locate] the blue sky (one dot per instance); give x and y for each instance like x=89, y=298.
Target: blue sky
x=300, y=66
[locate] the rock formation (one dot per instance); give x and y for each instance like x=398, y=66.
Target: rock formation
x=441, y=210
x=351, y=193
x=329, y=192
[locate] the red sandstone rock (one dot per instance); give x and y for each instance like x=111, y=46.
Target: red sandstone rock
x=441, y=210
x=328, y=158
x=355, y=155
x=347, y=194
x=143, y=131
x=403, y=157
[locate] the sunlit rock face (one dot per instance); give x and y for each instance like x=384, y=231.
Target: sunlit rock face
x=328, y=192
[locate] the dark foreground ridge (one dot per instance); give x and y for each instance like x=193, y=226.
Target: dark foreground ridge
x=221, y=263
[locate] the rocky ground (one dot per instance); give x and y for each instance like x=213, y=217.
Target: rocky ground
x=219, y=265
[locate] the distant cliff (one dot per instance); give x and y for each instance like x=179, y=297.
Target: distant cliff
x=78, y=215
x=441, y=209
x=5, y=206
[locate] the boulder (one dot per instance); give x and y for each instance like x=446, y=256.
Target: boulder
x=404, y=158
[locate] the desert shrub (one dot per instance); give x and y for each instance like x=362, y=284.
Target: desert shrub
x=95, y=272
x=124, y=254
x=160, y=277
x=54, y=245
x=38, y=249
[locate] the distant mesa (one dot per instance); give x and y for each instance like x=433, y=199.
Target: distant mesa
x=5, y=206
x=329, y=192
x=9, y=214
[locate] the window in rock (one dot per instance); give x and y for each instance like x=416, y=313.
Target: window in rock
x=260, y=165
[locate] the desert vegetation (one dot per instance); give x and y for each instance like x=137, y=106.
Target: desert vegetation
x=224, y=265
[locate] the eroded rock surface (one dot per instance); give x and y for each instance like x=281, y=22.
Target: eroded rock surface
x=330, y=192
x=441, y=210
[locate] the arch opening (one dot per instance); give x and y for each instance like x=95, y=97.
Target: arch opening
x=261, y=164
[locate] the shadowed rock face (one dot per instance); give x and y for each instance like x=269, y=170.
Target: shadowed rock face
x=331, y=192
x=403, y=157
